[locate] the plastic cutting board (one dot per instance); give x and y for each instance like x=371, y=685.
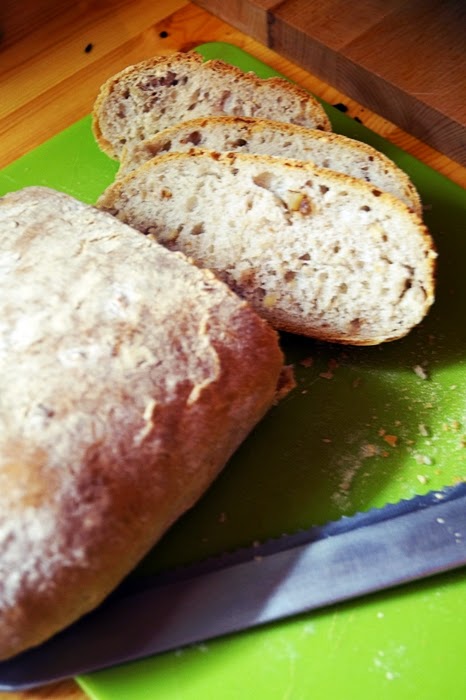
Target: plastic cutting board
x=364, y=426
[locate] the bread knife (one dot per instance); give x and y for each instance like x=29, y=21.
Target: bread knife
x=318, y=567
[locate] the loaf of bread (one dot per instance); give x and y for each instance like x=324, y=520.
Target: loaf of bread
x=271, y=137
x=147, y=97
x=316, y=252
x=128, y=377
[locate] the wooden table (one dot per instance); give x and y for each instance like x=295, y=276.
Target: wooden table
x=55, y=55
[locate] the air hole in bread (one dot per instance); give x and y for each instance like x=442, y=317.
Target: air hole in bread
x=169, y=236
x=238, y=143
x=165, y=146
x=194, y=137
x=149, y=106
x=194, y=99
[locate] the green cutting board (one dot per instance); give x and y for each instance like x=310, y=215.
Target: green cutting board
x=363, y=427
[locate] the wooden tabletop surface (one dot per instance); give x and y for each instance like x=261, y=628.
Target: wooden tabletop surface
x=55, y=56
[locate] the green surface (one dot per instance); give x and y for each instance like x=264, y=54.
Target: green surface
x=364, y=426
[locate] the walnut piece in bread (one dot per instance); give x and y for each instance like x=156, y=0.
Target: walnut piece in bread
x=316, y=252
x=128, y=376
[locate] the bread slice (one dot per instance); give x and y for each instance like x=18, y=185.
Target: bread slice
x=129, y=376
x=270, y=137
x=147, y=97
x=316, y=252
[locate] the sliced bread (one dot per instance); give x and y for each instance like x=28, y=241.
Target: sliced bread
x=147, y=97
x=316, y=252
x=271, y=137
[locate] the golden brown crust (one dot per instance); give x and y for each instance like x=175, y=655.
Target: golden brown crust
x=140, y=375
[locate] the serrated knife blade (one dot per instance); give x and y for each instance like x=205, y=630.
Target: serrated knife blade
x=345, y=559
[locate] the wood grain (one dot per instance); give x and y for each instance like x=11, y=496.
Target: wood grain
x=49, y=80
x=404, y=59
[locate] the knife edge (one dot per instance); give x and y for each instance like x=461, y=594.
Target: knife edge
x=354, y=556
x=273, y=545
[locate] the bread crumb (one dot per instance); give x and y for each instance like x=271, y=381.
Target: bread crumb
x=420, y=371
x=422, y=479
x=423, y=459
x=286, y=383
x=307, y=362
x=392, y=440
x=332, y=365
x=369, y=450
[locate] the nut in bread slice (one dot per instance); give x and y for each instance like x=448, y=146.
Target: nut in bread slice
x=147, y=97
x=317, y=253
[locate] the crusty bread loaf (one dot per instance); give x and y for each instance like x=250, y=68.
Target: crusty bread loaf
x=147, y=97
x=128, y=377
x=316, y=252
x=271, y=137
